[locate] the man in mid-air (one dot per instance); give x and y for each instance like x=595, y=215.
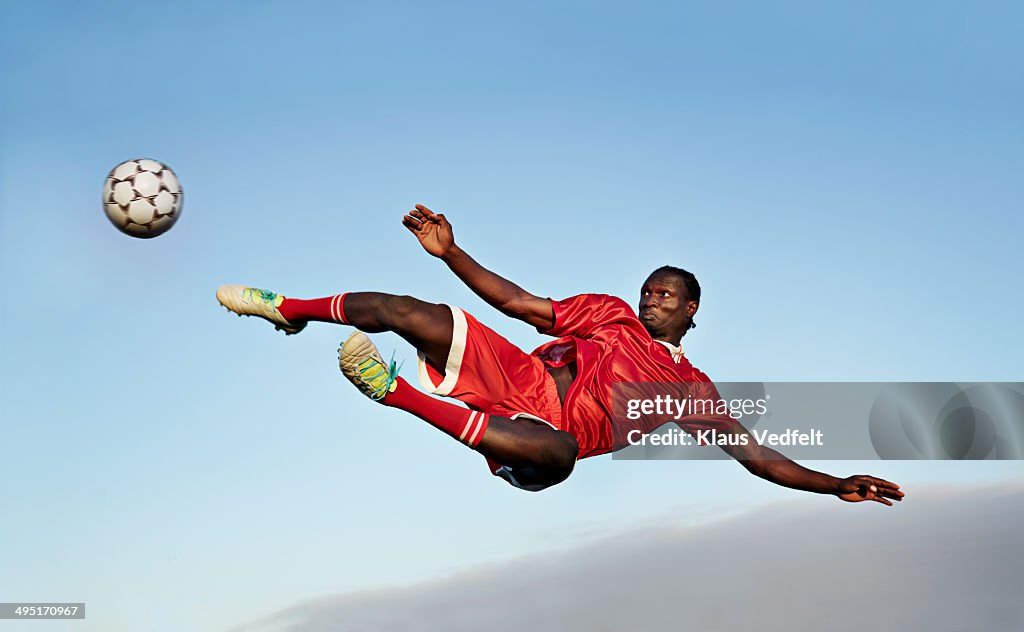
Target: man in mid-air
x=533, y=415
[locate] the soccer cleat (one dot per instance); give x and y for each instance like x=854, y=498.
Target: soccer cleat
x=252, y=301
x=363, y=365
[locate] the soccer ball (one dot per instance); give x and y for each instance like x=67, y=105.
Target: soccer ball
x=142, y=197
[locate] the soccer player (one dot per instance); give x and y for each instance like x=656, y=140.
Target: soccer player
x=532, y=415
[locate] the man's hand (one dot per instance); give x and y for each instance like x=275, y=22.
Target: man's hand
x=856, y=489
x=432, y=229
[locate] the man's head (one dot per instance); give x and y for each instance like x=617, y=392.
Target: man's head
x=669, y=298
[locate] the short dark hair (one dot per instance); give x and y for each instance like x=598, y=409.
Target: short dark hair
x=689, y=282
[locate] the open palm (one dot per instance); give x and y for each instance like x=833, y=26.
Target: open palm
x=431, y=229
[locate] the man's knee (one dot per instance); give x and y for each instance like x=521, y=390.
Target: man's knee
x=563, y=452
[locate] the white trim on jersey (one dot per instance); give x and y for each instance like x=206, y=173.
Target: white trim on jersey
x=454, y=363
x=677, y=352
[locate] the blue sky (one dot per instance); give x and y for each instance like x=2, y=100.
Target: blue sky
x=842, y=178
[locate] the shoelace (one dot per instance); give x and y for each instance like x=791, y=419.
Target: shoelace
x=372, y=364
x=265, y=296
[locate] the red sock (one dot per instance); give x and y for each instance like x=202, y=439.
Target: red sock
x=468, y=426
x=329, y=309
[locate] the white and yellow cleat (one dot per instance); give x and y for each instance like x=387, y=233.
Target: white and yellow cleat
x=363, y=365
x=252, y=301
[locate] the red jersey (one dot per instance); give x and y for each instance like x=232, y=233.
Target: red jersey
x=609, y=345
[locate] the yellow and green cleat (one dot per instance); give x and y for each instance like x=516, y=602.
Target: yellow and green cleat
x=363, y=365
x=252, y=301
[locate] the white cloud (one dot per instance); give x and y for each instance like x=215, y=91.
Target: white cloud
x=946, y=559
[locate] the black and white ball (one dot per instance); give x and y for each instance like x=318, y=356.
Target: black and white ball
x=142, y=197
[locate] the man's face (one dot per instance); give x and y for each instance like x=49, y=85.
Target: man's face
x=665, y=307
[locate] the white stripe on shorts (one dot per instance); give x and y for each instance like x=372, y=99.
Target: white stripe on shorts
x=454, y=363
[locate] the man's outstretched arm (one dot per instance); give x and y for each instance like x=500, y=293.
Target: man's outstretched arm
x=434, y=233
x=772, y=466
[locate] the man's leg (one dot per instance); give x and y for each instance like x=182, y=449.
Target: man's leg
x=429, y=328
x=426, y=326
x=514, y=442
x=540, y=454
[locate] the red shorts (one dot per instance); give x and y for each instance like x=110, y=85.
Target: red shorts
x=490, y=374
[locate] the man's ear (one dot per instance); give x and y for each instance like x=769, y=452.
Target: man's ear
x=691, y=308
